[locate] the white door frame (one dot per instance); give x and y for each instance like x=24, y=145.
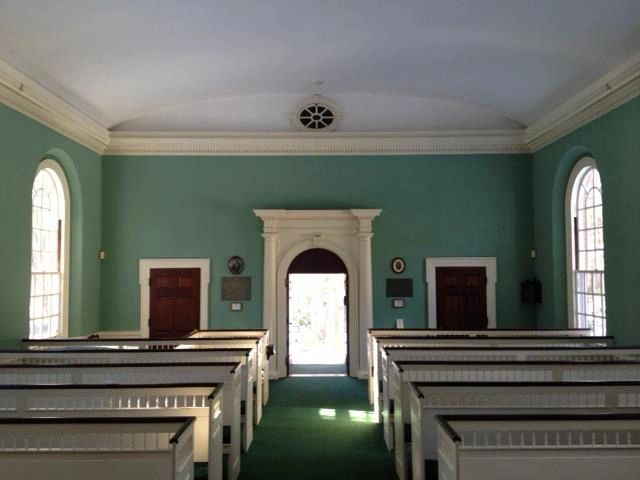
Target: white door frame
x=145, y=267
x=347, y=233
x=490, y=265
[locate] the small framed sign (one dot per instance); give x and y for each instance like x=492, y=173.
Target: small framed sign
x=398, y=265
x=397, y=303
x=235, y=306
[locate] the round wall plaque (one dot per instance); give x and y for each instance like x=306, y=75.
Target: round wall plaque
x=235, y=265
x=397, y=265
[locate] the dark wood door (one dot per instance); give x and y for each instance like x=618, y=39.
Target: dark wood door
x=175, y=302
x=461, y=298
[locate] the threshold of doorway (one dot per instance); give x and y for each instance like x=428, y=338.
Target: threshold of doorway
x=297, y=369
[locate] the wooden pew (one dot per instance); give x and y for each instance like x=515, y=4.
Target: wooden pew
x=533, y=447
x=147, y=373
x=264, y=347
x=429, y=341
x=375, y=333
x=97, y=448
x=428, y=399
x=244, y=356
x=59, y=344
x=476, y=354
x=204, y=401
x=406, y=372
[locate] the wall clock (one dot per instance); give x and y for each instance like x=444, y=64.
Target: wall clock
x=397, y=265
x=235, y=265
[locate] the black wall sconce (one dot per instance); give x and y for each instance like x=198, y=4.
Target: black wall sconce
x=531, y=291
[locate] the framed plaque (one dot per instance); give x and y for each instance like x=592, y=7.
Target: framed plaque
x=236, y=289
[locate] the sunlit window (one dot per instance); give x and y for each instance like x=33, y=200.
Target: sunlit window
x=587, y=234
x=48, y=251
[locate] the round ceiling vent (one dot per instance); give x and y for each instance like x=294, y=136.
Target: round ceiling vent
x=316, y=114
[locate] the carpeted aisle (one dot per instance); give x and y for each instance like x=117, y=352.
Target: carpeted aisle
x=318, y=428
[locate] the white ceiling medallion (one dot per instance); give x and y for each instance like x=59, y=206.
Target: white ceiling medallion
x=316, y=114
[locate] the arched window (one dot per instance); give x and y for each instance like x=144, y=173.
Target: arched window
x=585, y=249
x=49, y=252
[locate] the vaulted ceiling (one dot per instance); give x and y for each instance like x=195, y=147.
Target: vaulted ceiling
x=391, y=65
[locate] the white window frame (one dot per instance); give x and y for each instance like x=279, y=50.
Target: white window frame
x=145, y=267
x=585, y=162
x=491, y=270
x=49, y=163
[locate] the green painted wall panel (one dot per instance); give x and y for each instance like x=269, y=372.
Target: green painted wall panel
x=202, y=207
x=614, y=141
x=23, y=144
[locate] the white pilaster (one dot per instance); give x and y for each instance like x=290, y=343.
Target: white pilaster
x=366, y=295
x=269, y=289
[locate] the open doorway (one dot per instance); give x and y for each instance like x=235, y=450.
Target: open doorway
x=317, y=314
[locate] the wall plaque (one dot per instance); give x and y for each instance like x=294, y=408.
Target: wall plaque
x=236, y=289
x=399, y=287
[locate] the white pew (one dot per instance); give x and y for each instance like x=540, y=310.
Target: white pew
x=204, y=401
x=264, y=347
x=540, y=447
x=431, y=341
x=458, y=354
x=431, y=399
x=375, y=333
x=100, y=449
x=147, y=373
x=245, y=356
x=405, y=372
x=155, y=344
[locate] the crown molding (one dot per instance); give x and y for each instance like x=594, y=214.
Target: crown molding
x=336, y=143
x=609, y=92
x=27, y=97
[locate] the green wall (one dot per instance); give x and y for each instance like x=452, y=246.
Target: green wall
x=614, y=142
x=159, y=206
x=23, y=143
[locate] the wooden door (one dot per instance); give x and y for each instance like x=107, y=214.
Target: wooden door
x=175, y=302
x=461, y=294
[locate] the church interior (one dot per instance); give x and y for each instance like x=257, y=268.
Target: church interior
x=401, y=245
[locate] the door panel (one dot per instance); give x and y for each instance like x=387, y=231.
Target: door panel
x=174, y=302
x=461, y=294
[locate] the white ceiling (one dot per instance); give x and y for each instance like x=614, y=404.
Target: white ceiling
x=391, y=65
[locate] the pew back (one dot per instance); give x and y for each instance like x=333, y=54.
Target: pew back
x=226, y=373
x=483, y=342
x=378, y=333
x=477, y=354
x=246, y=356
x=429, y=400
x=130, y=448
x=203, y=401
x=264, y=342
x=534, y=447
x=402, y=373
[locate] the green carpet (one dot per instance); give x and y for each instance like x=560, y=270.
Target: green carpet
x=318, y=428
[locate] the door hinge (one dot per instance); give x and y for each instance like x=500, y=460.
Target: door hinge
x=345, y=300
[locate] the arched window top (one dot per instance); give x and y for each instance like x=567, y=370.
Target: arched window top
x=49, y=252
x=585, y=248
